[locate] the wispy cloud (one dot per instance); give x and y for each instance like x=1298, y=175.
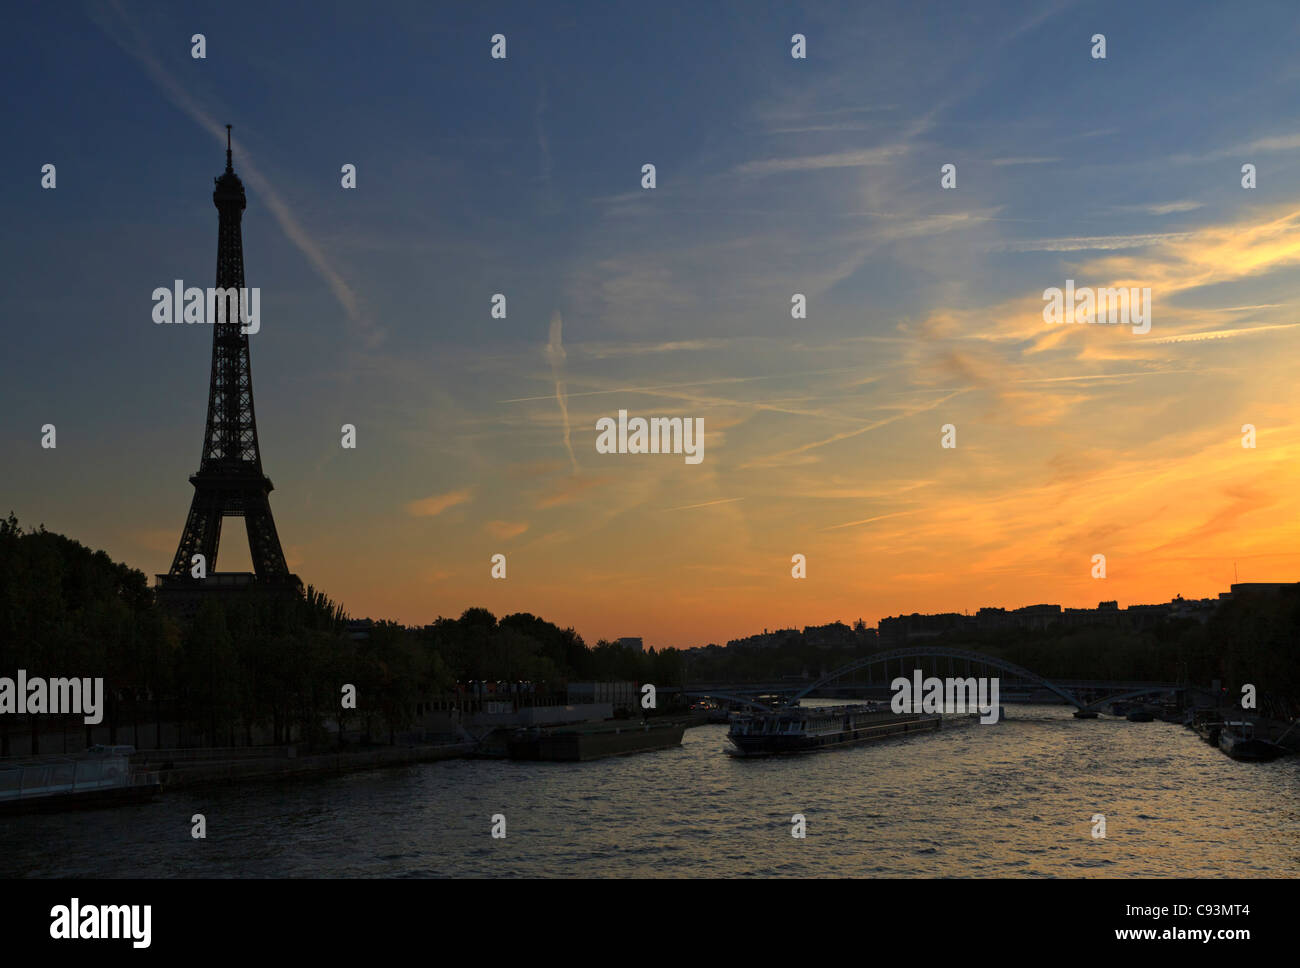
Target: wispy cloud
x=1162, y=208
x=694, y=383
x=1024, y=160
x=1284, y=142
x=841, y=159
x=432, y=506
x=506, y=529
x=569, y=490
x=605, y=351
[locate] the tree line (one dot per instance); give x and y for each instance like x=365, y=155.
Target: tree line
x=262, y=666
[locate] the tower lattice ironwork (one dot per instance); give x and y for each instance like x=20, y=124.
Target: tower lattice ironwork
x=230, y=481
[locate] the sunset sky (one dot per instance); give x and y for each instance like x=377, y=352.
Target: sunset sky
x=775, y=176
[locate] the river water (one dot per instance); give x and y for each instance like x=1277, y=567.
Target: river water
x=1015, y=799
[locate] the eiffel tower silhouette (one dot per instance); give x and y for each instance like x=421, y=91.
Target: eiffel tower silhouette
x=229, y=482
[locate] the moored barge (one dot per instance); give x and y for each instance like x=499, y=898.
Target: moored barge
x=800, y=730
x=592, y=741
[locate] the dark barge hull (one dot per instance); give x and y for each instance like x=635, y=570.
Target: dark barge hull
x=576, y=744
x=88, y=800
x=1250, y=750
x=777, y=745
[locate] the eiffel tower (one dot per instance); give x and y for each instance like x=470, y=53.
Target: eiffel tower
x=229, y=482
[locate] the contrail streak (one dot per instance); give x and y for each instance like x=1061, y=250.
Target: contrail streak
x=555, y=353
x=696, y=383
x=279, y=210
x=706, y=504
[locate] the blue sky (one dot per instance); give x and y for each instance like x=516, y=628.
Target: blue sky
x=775, y=176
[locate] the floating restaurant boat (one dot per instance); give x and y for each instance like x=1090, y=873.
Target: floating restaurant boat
x=1238, y=740
x=800, y=730
x=592, y=741
x=102, y=776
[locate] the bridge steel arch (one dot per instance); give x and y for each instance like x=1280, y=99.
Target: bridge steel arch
x=935, y=651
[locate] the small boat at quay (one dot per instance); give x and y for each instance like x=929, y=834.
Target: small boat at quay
x=101, y=776
x=1238, y=740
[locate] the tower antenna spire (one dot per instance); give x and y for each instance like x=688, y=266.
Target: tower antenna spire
x=229, y=167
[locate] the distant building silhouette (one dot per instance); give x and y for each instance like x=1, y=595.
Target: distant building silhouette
x=900, y=630
x=1255, y=588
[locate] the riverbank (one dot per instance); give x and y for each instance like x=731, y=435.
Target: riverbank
x=188, y=768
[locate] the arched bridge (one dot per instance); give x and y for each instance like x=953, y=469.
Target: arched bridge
x=939, y=652
x=1066, y=692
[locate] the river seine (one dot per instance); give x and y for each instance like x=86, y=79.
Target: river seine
x=1015, y=799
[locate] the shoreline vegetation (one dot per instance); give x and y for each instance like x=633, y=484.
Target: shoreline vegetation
x=253, y=674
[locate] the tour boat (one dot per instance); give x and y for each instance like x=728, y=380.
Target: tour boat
x=101, y=776
x=807, y=730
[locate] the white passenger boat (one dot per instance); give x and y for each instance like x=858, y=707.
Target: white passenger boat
x=101, y=776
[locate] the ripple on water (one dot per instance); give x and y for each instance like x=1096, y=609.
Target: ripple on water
x=1015, y=799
